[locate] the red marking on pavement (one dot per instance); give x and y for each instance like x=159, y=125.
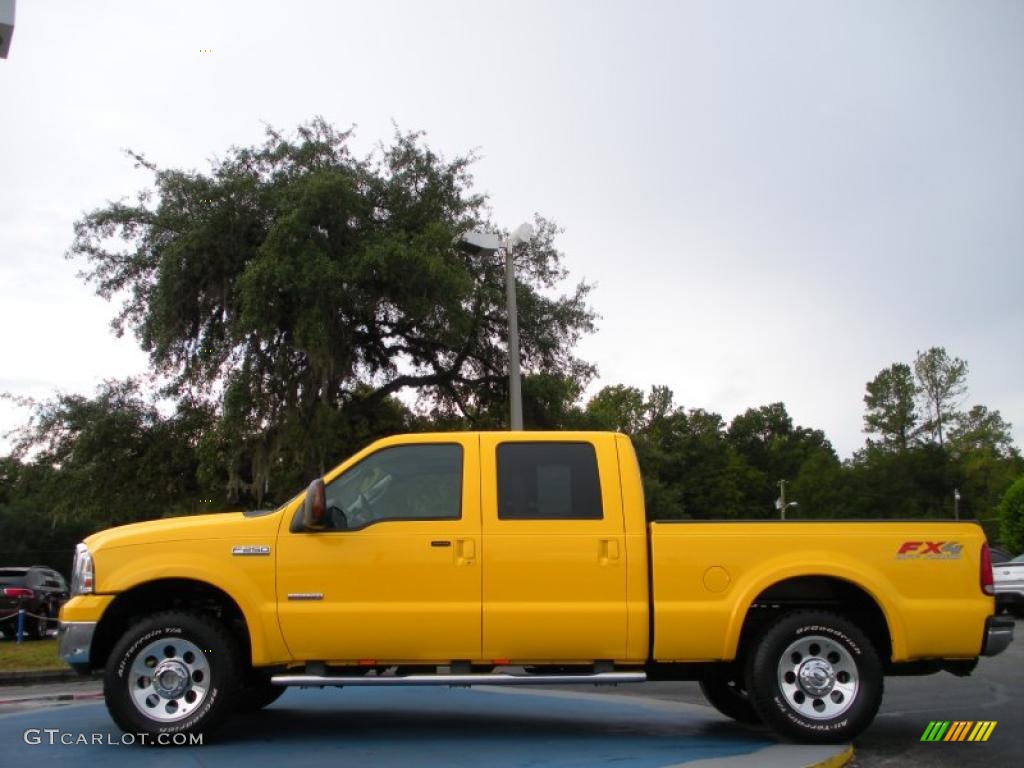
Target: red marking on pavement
x=53, y=697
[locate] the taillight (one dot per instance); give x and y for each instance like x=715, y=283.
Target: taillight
x=987, y=582
x=17, y=592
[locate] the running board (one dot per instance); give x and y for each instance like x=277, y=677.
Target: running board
x=601, y=678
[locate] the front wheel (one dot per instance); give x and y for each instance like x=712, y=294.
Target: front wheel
x=172, y=673
x=815, y=677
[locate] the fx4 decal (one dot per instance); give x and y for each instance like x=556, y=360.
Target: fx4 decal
x=929, y=550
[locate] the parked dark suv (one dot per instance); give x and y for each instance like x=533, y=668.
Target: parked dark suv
x=37, y=589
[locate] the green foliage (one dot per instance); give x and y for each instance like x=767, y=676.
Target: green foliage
x=774, y=449
x=945, y=452
x=110, y=459
x=1011, y=517
x=619, y=409
x=695, y=466
x=549, y=402
x=821, y=488
x=918, y=482
x=942, y=383
x=981, y=430
x=84, y=464
x=308, y=286
x=891, y=408
x=688, y=470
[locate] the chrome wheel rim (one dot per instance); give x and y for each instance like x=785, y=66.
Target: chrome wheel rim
x=169, y=679
x=818, y=677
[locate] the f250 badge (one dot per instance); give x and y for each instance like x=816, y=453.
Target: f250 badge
x=929, y=550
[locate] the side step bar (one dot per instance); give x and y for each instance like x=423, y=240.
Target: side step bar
x=600, y=678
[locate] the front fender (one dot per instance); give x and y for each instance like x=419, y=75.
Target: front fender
x=248, y=580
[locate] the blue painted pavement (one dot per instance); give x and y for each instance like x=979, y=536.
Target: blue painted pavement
x=402, y=727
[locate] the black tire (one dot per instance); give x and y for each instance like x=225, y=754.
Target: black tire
x=722, y=687
x=258, y=692
x=38, y=626
x=815, y=677
x=194, y=692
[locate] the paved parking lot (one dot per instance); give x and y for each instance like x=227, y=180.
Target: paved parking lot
x=995, y=691
x=421, y=727
x=655, y=724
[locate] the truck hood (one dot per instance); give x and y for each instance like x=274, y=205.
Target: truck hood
x=217, y=526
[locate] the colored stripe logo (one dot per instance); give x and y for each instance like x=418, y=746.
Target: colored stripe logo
x=958, y=730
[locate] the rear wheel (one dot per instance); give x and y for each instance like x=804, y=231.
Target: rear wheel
x=815, y=677
x=723, y=688
x=172, y=673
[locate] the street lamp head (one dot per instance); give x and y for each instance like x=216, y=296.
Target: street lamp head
x=477, y=242
x=522, y=234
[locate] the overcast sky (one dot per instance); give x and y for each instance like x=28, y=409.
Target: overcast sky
x=775, y=199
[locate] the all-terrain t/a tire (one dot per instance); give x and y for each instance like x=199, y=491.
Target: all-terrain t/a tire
x=722, y=686
x=171, y=673
x=815, y=677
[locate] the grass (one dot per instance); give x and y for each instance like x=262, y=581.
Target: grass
x=30, y=655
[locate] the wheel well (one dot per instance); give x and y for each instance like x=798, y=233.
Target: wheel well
x=161, y=595
x=825, y=592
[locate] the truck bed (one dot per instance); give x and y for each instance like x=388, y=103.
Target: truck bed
x=922, y=575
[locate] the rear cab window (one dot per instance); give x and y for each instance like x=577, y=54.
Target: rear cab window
x=548, y=481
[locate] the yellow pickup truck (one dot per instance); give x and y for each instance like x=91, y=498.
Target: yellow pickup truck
x=520, y=558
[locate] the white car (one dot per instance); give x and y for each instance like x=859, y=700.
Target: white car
x=1009, y=583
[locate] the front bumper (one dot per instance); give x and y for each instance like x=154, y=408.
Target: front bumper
x=75, y=643
x=998, y=635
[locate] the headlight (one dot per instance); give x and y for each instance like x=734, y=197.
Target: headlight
x=82, y=576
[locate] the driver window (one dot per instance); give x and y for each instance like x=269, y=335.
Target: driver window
x=406, y=482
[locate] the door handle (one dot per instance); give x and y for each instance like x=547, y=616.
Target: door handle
x=440, y=543
x=465, y=551
x=608, y=550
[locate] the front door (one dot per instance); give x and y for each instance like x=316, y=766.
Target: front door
x=396, y=576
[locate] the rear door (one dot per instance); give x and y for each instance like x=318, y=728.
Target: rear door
x=554, y=567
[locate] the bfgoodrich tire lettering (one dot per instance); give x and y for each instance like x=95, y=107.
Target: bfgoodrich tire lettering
x=815, y=677
x=173, y=672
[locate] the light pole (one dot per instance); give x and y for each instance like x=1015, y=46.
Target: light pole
x=488, y=243
x=6, y=26
x=780, y=503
